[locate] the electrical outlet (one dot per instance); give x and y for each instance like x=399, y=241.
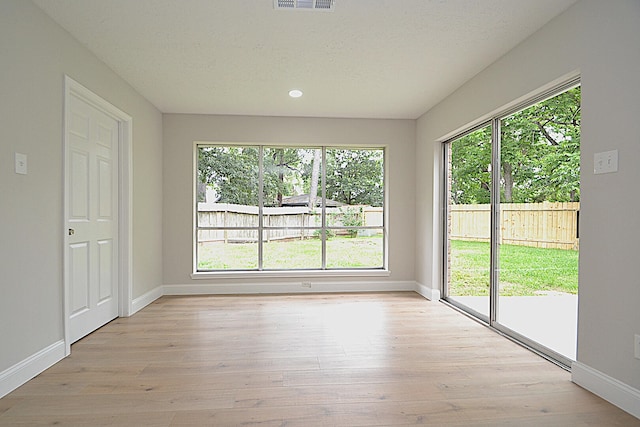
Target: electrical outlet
x=306, y=285
x=21, y=163
x=636, y=346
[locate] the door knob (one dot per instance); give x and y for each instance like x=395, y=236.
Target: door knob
x=72, y=232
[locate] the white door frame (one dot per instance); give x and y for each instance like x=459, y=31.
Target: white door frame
x=125, y=217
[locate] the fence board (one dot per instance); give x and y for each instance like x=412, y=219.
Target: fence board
x=289, y=221
x=542, y=225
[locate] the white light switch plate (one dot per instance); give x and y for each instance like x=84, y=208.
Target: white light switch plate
x=605, y=162
x=21, y=163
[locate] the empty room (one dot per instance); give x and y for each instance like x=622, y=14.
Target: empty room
x=319, y=212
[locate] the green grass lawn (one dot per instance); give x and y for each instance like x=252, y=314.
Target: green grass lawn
x=523, y=270
x=342, y=252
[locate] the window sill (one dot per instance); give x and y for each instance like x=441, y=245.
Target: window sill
x=289, y=274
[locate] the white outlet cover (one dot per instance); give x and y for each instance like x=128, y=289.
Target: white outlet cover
x=21, y=163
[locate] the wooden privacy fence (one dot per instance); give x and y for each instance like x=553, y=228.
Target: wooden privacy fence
x=288, y=220
x=542, y=225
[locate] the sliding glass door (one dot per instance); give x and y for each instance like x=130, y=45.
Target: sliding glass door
x=538, y=245
x=512, y=200
x=468, y=221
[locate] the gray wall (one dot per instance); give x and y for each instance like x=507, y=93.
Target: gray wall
x=180, y=132
x=600, y=41
x=35, y=53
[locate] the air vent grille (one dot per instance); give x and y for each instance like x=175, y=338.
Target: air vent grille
x=319, y=5
x=324, y=4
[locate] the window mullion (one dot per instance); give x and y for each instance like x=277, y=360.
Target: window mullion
x=260, y=204
x=494, y=221
x=323, y=234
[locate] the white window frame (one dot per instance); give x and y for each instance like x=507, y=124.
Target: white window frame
x=324, y=271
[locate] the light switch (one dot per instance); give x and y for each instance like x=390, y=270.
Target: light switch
x=21, y=163
x=605, y=162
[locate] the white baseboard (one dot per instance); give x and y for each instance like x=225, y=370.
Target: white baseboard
x=23, y=371
x=428, y=293
x=610, y=389
x=287, y=288
x=146, y=299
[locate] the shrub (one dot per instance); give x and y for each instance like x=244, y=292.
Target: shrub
x=352, y=217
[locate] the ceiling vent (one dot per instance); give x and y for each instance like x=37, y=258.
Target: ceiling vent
x=319, y=5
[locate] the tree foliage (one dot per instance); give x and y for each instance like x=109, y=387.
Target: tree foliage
x=232, y=172
x=281, y=165
x=355, y=177
x=539, y=156
x=352, y=176
x=470, y=168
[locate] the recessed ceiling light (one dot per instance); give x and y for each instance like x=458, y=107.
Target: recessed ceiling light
x=295, y=93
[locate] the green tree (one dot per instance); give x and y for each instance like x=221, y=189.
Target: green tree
x=280, y=165
x=231, y=171
x=355, y=177
x=470, y=171
x=539, y=156
x=540, y=151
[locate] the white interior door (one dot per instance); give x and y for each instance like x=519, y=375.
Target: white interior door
x=92, y=217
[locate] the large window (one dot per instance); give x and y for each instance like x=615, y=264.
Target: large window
x=289, y=208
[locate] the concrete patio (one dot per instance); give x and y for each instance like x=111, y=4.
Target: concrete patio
x=549, y=319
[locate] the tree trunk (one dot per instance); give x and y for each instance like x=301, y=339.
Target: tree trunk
x=507, y=175
x=315, y=176
x=280, y=176
x=202, y=192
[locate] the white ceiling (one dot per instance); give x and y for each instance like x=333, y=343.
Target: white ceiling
x=367, y=58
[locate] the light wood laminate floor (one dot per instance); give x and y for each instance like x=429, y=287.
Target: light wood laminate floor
x=303, y=360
